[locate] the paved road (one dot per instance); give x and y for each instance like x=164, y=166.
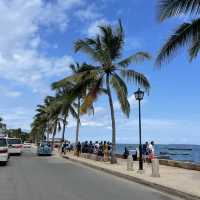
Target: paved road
x=29, y=177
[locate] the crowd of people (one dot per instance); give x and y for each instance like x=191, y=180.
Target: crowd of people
x=66, y=147
x=103, y=150
x=100, y=149
x=148, y=151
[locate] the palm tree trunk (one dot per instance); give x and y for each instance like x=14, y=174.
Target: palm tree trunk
x=47, y=135
x=113, y=152
x=53, y=138
x=64, y=125
x=78, y=122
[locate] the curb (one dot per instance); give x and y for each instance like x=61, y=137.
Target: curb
x=162, y=188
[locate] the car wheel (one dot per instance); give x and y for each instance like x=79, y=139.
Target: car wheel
x=4, y=163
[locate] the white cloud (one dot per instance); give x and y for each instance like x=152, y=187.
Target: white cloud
x=20, y=59
x=88, y=123
x=89, y=13
x=8, y=92
x=17, y=117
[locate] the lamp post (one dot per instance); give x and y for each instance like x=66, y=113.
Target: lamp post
x=139, y=96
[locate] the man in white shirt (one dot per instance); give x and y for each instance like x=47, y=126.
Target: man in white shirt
x=151, y=147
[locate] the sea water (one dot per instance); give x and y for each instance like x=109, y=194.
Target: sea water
x=181, y=152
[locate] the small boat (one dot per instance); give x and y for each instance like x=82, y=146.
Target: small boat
x=179, y=149
x=179, y=154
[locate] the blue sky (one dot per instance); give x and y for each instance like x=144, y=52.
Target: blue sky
x=36, y=48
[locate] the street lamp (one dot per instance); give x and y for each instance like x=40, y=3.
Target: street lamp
x=139, y=96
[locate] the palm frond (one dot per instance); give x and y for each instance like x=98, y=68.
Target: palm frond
x=73, y=67
x=86, y=47
x=135, y=58
x=112, y=40
x=91, y=96
x=194, y=50
x=73, y=112
x=183, y=35
x=136, y=77
x=121, y=90
x=169, y=8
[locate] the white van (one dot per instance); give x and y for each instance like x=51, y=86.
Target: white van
x=4, y=155
x=15, y=146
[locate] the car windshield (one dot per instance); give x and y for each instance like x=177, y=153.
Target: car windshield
x=14, y=141
x=3, y=142
x=44, y=144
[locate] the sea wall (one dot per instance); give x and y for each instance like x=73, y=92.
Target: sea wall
x=180, y=164
x=172, y=163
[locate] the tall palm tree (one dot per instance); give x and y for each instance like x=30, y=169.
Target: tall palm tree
x=42, y=117
x=65, y=106
x=78, y=90
x=187, y=34
x=106, y=50
x=47, y=119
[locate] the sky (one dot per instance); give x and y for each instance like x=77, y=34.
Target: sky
x=36, y=49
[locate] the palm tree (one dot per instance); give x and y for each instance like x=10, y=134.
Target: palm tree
x=47, y=119
x=78, y=91
x=187, y=34
x=65, y=106
x=106, y=50
x=42, y=117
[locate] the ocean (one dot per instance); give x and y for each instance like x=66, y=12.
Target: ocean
x=181, y=152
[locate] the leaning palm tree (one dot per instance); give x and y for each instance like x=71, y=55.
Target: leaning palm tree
x=47, y=118
x=43, y=116
x=110, y=70
x=75, y=91
x=187, y=34
x=65, y=106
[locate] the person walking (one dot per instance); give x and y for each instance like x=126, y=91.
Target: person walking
x=126, y=153
x=96, y=149
x=68, y=146
x=78, y=149
x=151, y=151
x=100, y=153
x=145, y=151
x=64, y=145
x=105, y=152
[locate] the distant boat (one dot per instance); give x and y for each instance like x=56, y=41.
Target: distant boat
x=179, y=154
x=179, y=149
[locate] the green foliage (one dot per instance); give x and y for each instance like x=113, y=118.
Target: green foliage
x=88, y=81
x=187, y=34
x=106, y=50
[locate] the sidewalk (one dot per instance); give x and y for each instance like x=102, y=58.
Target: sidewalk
x=181, y=182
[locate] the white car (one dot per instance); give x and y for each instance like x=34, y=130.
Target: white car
x=4, y=155
x=15, y=146
x=27, y=145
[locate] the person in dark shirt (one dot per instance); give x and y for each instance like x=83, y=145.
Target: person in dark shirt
x=78, y=148
x=126, y=153
x=145, y=151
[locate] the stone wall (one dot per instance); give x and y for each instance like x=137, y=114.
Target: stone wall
x=180, y=164
x=172, y=163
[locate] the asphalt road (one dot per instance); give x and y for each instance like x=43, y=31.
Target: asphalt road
x=29, y=177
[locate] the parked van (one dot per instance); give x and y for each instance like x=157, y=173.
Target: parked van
x=4, y=154
x=15, y=146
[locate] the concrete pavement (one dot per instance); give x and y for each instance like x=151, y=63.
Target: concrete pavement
x=182, y=182
x=30, y=177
